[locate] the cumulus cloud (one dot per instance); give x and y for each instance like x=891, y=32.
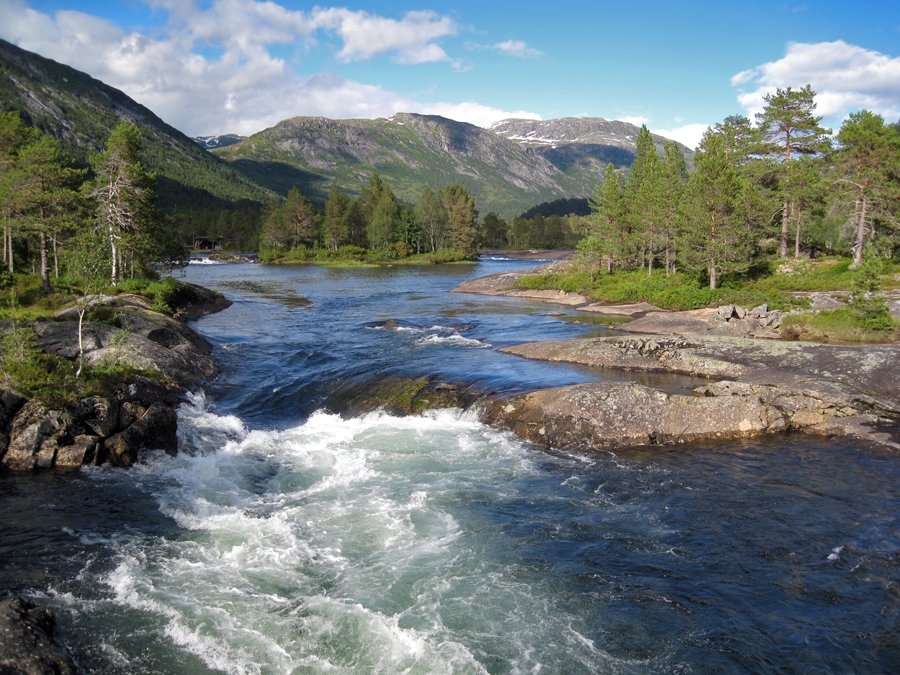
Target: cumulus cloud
x=636, y=120
x=689, y=135
x=366, y=35
x=473, y=113
x=211, y=71
x=845, y=77
x=518, y=49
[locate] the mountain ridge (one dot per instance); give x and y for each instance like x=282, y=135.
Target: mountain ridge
x=507, y=168
x=82, y=112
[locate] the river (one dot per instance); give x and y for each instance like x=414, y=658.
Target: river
x=290, y=538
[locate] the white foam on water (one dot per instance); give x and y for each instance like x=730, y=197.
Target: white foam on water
x=339, y=545
x=455, y=339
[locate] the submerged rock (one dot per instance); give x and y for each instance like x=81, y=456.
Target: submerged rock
x=27, y=644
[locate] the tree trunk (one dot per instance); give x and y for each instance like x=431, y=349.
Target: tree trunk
x=45, y=276
x=860, y=242
x=10, y=252
x=797, y=238
x=785, y=220
x=55, y=258
x=712, y=276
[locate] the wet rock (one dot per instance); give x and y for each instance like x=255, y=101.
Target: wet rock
x=10, y=404
x=82, y=451
x=100, y=414
x=610, y=414
x=27, y=645
x=154, y=430
x=390, y=323
x=30, y=428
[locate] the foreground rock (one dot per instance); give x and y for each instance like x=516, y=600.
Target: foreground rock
x=613, y=414
x=765, y=387
x=27, y=645
x=140, y=415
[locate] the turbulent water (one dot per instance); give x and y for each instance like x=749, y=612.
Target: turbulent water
x=288, y=538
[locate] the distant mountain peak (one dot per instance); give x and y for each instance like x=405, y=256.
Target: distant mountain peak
x=221, y=141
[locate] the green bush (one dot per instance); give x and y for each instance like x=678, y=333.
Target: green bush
x=446, y=255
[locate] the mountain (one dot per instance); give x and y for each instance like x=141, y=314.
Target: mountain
x=411, y=152
x=82, y=112
x=507, y=168
x=581, y=147
x=210, y=142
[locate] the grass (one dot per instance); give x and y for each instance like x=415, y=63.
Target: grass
x=677, y=292
x=51, y=378
x=837, y=325
x=355, y=256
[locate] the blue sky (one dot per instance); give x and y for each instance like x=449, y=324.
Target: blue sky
x=240, y=65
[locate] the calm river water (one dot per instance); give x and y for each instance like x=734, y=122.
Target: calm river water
x=288, y=538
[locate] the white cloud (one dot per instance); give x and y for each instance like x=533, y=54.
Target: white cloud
x=471, y=112
x=845, y=77
x=689, y=134
x=366, y=35
x=518, y=49
x=243, y=88
x=636, y=120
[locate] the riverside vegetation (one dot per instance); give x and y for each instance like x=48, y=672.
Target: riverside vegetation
x=763, y=198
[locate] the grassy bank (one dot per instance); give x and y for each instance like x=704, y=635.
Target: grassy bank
x=356, y=256
x=774, y=284
x=51, y=378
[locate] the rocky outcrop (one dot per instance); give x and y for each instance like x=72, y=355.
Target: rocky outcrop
x=764, y=386
x=94, y=430
x=27, y=644
x=134, y=417
x=613, y=414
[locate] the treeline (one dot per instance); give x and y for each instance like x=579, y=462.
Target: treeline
x=376, y=222
x=99, y=223
x=775, y=188
x=554, y=231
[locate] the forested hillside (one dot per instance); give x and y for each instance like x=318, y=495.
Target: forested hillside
x=82, y=113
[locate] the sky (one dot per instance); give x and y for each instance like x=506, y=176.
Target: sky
x=238, y=66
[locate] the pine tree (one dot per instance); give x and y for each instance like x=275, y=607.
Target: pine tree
x=46, y=195
x=868, y=165
x=608, y=237
x=461, y=215
x=643, y=198
x=714, y=237
x=335, y=223
x=674, y=185
x=124, y=194
x=790, y=130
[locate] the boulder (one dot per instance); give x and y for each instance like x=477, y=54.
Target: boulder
x=98, y=413
x=759, y=311
x=154, y=430
x=740, y=312
x=725, y=312
x=27, y=645
x=83, y=450
x=611, y=414
x=10, y=404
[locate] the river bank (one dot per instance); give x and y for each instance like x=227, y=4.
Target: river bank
x=763, y=384
x=168, y=359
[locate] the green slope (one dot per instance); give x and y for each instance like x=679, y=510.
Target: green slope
x=82, y=112
x=411, y=152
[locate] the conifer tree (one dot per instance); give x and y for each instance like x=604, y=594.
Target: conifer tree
x=607, y=239
x=46, y=195
x=124, y=195
x=868, y=162
x=461, y=216
x=713, y=236
x=790, y=130
x=643, y=198
x=335, y=222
